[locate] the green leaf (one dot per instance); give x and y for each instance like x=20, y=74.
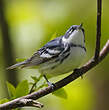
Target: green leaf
x=11, y=89
x=34, y=78
x=20, y=59
x=60, y=93
x=3, y=100
x=22, y=89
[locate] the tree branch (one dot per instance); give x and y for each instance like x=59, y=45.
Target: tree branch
x=30, y=102
x=96, y=59
x=98, y=32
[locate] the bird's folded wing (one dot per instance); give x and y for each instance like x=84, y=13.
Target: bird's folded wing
x=50, y=51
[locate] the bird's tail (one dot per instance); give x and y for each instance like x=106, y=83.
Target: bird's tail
x=21, y=64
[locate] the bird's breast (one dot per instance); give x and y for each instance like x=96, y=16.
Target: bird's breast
x=72, y=61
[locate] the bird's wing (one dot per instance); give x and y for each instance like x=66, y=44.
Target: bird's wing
x=49, y=51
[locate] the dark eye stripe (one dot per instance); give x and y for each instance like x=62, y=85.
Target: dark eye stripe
x=71, y=31
x=68, y=33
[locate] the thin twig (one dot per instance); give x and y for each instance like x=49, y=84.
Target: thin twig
x=98, y=32
x=32, y=88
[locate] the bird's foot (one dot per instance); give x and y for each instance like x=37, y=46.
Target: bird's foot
x=52, y=85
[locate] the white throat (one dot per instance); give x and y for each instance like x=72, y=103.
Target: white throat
x=77, y=37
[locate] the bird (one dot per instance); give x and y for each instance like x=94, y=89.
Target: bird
x=60, y=55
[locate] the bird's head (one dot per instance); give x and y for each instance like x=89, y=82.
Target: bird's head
x=75, y=34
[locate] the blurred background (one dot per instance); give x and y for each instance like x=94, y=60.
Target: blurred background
x=26, y=25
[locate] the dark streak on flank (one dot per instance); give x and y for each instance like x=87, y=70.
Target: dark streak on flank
x=64, y=58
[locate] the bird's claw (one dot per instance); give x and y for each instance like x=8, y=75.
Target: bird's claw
x=52, y=85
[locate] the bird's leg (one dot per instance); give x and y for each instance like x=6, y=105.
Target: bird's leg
x=49, y=83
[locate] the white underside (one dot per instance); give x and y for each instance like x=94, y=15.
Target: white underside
x=73, y=61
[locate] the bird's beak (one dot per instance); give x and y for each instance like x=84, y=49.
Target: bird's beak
x=80, y=26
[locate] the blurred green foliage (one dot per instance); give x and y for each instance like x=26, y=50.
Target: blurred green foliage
x=35, y=22
x=60, y=93
x=11, y=90
x=22, y=89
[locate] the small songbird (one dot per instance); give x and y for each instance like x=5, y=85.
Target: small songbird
x=59, y=56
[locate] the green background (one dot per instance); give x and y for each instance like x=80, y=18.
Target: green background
x=32, y=23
